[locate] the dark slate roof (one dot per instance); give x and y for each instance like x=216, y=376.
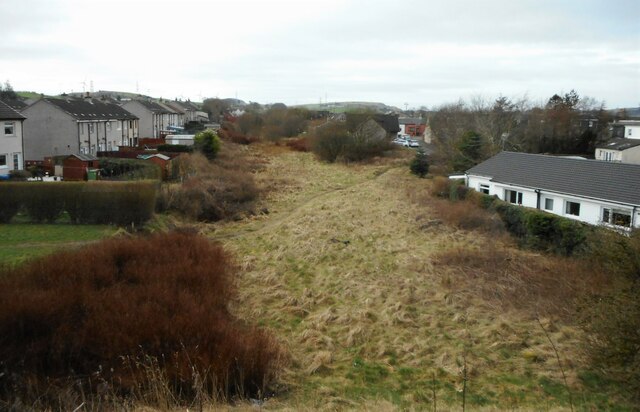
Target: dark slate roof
x=620, y=144
x=183, y=105
x=615, y=182
x=153, y=106
x=7, y=113
x=91, y=109
x=15, y=104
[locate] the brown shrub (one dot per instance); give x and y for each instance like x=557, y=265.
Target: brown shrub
x=466, y=215
x=211, y=191
x=98, y=315
x=228, y=132
x=514, y=280
x=301, y=144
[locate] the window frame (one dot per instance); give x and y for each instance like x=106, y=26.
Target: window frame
x=569, y=208
x=513, y=193
x=12, y=125
x=484, y=188
x=608, y=216
x=3, y=161
x=547, y=201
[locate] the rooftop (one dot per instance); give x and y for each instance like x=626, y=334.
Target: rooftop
x=620, y=144
x=91, y=109
x=615, y=182
x=7, y=113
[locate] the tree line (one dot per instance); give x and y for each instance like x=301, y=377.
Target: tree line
x=466, y=133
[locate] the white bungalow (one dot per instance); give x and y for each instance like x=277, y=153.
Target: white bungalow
x=591, y=191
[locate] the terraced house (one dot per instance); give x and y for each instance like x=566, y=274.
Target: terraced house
x=11, y=142
x=591, y=191
x=68, y=126
x=154, y=118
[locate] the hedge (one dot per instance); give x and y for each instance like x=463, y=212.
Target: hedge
x=533, y=228
x=541, y=230
x=119, y=203
x=129, y=169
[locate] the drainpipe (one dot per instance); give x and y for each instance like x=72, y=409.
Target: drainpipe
x=538, y=198
x=633, y=217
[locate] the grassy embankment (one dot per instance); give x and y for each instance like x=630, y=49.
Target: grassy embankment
x=365, y=289
x=370, y=294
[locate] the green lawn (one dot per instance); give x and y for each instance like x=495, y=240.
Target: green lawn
x=19, y=242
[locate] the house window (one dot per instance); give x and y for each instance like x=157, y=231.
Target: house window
x=484, y=189
x=16, y=161
x=548, y=204
x=9, y=128
x=3, y=161
x=572, y=208
x=629, y=132
x=108, y=126
x=512, y=196
x=90, y=127
x=616, y=217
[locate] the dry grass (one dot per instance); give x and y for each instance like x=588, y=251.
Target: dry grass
x=369, y=289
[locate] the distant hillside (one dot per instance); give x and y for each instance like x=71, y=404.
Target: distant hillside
x=341, y=107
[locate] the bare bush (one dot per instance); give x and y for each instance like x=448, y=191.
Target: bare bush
x=100, y=316
x=211, y=191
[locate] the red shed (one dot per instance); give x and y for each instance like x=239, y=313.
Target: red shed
x=161, y=160
x=76, y=166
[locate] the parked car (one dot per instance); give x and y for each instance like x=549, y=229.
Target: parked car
x=399, y=140
x=411, y=143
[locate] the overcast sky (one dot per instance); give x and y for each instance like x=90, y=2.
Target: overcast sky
x=414, y=52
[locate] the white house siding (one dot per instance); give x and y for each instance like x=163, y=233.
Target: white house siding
x=630, y=155
x=609, y=155
x=48, y=131
x=11, y=147
x=591, y=210
x=632, y=131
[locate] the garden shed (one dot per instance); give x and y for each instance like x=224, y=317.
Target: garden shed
x=79, y=166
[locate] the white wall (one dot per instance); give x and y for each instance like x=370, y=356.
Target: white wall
x=631, y=155
x=10, y=146
x=632, y=132
x=590, y=210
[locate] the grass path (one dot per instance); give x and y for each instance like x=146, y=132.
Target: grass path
x=342, y=271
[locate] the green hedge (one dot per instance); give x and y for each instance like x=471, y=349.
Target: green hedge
x=541, y=230
x=175, y=148
x=533, y=228
x=9, y=202
x=129, y=169
x=119, y=203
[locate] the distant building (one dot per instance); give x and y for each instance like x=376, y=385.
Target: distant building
x=413, y=126
x=11, y=140
x=619, y=150
x=154, y=118
x=186, y=108
x=68, y=126
x=625, y=129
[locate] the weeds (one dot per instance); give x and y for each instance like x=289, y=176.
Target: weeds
x=211, y=191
